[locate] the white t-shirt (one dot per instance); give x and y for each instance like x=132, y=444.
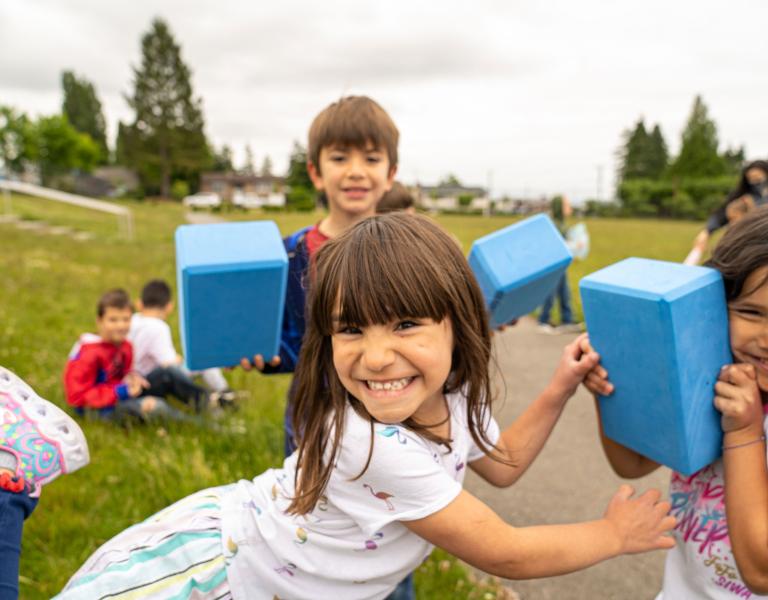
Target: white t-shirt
x=352, y=545
x=152, y=343
x=701, y=565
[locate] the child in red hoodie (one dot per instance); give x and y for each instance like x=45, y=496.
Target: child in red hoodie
x=99, y=375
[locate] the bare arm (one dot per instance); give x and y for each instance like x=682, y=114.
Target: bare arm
x=521, y=442
x=746, y=474
x=471, y=531
x=624, y=461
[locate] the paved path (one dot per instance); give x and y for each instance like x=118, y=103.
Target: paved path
x=571, y=479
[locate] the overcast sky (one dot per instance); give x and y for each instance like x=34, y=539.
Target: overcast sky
x=529, y=97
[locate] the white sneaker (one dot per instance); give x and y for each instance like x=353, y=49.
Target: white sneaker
x=547, y=329
x=40, y=439
x=571, y=328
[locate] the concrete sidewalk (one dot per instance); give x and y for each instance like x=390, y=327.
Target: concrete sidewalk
x=570, y=480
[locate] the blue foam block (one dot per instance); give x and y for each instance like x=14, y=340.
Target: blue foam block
x=231, y=281
x=519, y=266
x=661, y=330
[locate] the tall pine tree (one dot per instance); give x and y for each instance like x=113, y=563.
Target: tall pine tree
x=166, y=139
x=644, y=155
x=248, y=163
x=83, y=110
x=658, y=155
x=698, y=153
x=634, y=153
x=298, y=176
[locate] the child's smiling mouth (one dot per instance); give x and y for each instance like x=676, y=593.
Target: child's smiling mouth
x=389, y=385
x=355, y=192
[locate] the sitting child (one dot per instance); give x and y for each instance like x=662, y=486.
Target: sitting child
x=155, y=354
x=99, y=377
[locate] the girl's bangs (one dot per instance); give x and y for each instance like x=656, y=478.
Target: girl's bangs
x=383, y=279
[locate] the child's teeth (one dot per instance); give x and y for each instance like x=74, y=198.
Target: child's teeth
x=397, y=384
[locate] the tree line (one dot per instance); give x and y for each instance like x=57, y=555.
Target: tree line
x=692, y=184
x=164, y=143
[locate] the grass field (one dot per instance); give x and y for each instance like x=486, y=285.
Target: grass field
x=50, y=287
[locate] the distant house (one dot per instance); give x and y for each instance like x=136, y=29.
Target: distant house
x=246, y=190
x=445, y=197
x=521, y=207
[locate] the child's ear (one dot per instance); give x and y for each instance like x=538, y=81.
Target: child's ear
x=314, y=175
x=391, y=177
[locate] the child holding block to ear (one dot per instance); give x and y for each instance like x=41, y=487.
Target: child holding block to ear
x=722, y=510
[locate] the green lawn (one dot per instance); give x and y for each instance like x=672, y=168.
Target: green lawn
x=50, y=287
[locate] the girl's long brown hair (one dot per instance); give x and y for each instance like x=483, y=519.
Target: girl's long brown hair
x=386, y=268
x=742, y=250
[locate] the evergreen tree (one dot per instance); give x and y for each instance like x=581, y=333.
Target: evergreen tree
x=698, y=153
x=266, y=167
x=248, y=168
x=298, y=176
x=658, y=155
x=83, y=110
x=222, y=161
x=450, y=180
x=633, y=155
x=166, y=140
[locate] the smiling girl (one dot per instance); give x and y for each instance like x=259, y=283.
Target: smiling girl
x=393, y=404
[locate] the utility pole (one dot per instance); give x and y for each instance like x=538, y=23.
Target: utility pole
x=489, y=196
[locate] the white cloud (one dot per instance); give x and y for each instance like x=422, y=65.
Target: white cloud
x=531, y=95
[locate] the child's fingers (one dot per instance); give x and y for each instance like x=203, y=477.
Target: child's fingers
x=742, y=374
x=587, y=362
x=598, y=385
x=584, y=342
x=624, y=492
x=275, y=362
x=651, y=496
x=727, y=406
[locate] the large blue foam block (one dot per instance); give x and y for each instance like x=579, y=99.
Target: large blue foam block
x=661, y=330
x=231, y=281
x=519, y=266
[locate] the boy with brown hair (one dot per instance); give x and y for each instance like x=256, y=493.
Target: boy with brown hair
x=352, y=159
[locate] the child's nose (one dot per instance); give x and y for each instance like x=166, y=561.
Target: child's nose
x=355, y=167
x=377, y=356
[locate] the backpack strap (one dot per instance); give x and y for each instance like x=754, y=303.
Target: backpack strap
x=293, y=240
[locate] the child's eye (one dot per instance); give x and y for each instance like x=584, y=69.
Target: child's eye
x=407, y=324
x=747, y=312
x=374, y=158
x=348, y=329
x=337, y=157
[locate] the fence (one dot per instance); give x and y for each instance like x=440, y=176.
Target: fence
x=124, y=215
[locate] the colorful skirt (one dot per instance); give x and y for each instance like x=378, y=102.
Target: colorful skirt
x=176, y=553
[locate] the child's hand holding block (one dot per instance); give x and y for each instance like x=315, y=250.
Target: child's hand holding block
x=231, y=282
x=518, y=267
x=662, y=333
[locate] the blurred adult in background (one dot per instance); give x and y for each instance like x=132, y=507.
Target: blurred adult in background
x=751, y=191
x=560, y=209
